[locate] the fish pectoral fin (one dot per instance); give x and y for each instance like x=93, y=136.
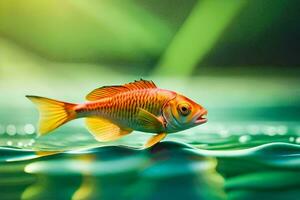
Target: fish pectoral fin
x=155, y=139
x=149, y=120
x=103, y=130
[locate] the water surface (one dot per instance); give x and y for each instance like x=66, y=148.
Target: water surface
x=233, y=160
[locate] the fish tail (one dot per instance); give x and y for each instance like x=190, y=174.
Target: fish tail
x=53, y=113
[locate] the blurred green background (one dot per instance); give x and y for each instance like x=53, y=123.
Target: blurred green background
x=235, y=53
x=237, y=58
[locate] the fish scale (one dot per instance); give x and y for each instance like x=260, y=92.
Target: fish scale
x=124, y=106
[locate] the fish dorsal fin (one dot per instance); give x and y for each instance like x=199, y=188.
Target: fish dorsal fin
x=141, y=84
x=109, y=91
x=105, y=91
x=103, y=130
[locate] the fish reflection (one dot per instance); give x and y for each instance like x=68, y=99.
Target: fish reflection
x=13, y=180
x=167, y=170
x=118, y=173
x=175, y=173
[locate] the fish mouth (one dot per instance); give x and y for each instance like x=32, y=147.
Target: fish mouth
x=201, y=117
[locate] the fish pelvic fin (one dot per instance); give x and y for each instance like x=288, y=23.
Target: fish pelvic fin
x=53, y=113
x=155, y=139
x=104, y=131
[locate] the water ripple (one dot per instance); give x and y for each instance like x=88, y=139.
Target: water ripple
x=278, y=150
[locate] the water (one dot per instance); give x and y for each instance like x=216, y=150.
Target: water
x=233, y=160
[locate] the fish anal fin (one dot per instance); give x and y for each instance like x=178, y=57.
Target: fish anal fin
x=103, y=130
x=150, y=121
x=155, y=139
x=109, y=91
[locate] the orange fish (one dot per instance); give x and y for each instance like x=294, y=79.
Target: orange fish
x=112, y=112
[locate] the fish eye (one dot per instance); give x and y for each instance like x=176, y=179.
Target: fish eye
x=184, y=109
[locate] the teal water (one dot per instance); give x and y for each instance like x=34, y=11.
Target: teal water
x=233, y=160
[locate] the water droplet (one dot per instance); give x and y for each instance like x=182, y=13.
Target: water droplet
x=29, y=129
x=244, y=138
x=20, y=144
x=9, y=143
x=31, y=142
x=282, y=130
x=291, y=139
x=11, y=130
x=298, y=140
x=269, y=130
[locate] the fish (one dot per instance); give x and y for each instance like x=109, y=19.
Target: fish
x=112, y=112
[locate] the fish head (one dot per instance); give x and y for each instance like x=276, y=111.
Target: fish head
x=181, y=113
